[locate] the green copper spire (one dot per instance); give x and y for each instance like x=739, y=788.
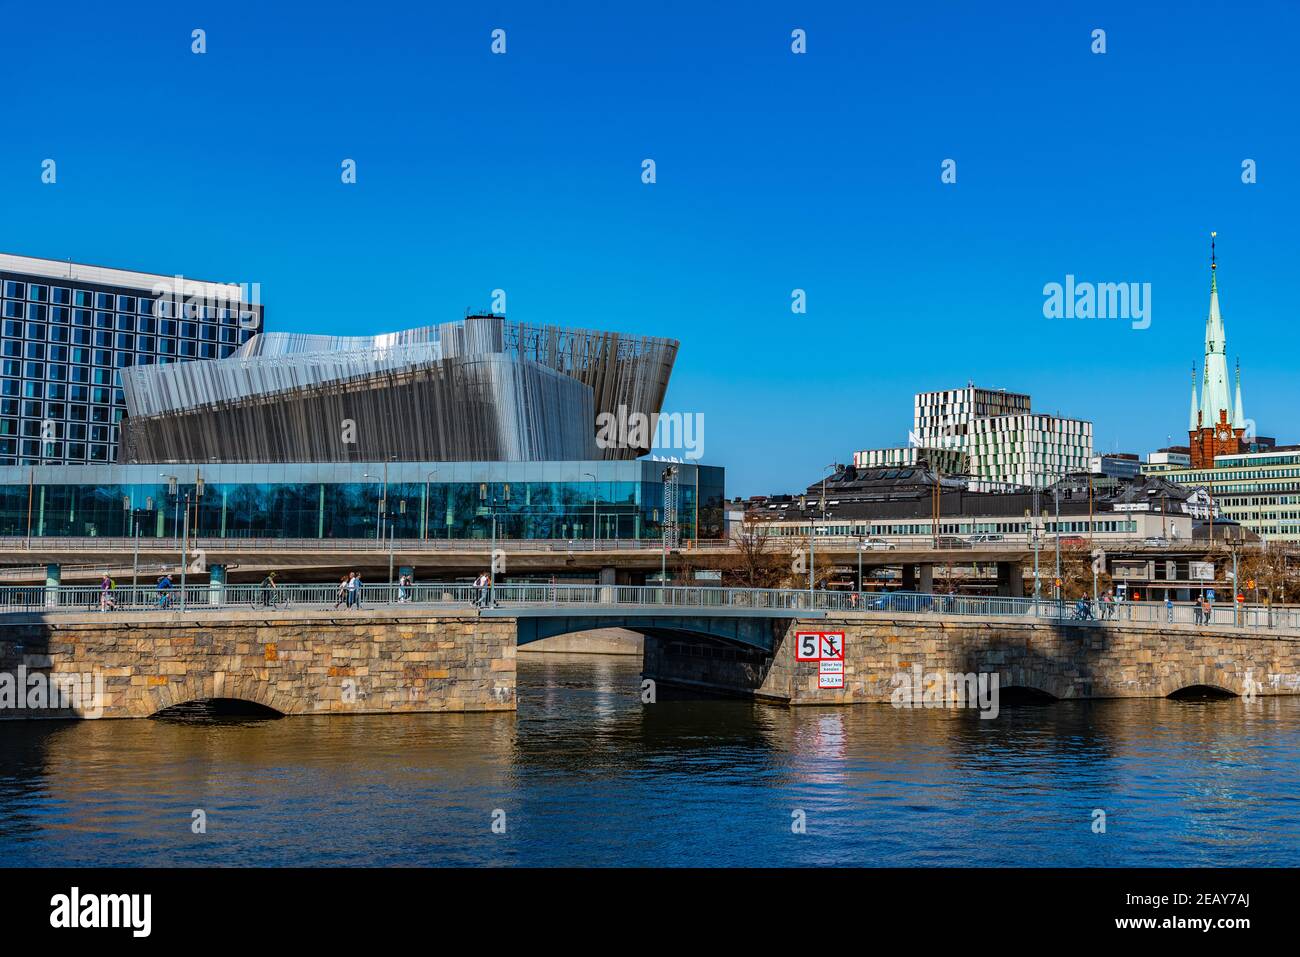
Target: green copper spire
x=1215, y=397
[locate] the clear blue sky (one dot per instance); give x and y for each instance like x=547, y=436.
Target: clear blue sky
x=775, y=172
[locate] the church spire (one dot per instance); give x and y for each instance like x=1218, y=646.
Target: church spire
x=1238, y=416
x=1192, y=424
x=1215, y=397
x=1214, y=286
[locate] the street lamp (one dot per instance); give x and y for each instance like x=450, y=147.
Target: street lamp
x=812, y=538
x=492, y=557
x=667, y=477
x=171, y=490
x=427, y=504
x=593, y=509
x=185, y=540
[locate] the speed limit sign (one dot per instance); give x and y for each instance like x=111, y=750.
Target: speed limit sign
x=807, y=646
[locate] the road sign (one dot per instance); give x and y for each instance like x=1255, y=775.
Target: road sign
x=807, y=646
x=819, y=646
x=830, y=674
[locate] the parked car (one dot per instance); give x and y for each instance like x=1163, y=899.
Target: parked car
x=1071, y=540
x=877, y=544
x=985, y=539
x=1155, y=541
x=903, y=601
x=950, y=541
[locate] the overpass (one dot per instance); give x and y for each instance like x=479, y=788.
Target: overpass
x=438, y=651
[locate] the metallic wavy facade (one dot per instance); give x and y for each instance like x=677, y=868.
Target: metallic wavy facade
x=480, y=389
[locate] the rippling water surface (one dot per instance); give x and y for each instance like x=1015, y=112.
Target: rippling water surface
x=587, y=774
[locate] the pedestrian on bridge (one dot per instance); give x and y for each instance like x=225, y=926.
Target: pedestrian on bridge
x=164, y=590
x=342, y=594
x=106, y=602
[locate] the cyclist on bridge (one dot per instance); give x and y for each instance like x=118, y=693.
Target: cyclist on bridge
x=269, y=589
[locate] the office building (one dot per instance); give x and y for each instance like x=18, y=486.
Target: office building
x=69, y=329
x=991, y=436
x=1119, y=465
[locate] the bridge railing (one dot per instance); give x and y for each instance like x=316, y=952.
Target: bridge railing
x=627, y=598
x=368, y=546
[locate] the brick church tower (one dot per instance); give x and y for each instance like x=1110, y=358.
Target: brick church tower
x=1215, y=427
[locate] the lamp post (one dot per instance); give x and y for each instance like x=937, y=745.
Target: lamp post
x=593, y=509
x=1091, y=543
x=861, y=545
x=185, y=540
x=391, y=458
x=172, y=491
x=812, y=538
x=492, y=557
x=381, y=504
x=427, y=504
x=667, y=475
x=1056, y=496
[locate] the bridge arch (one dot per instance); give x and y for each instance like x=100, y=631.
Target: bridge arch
x=1029, y=681
x=190, y=690
x=750, y=632
x=1213, y=679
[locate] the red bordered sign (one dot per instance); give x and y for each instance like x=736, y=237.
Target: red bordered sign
x=819, y=646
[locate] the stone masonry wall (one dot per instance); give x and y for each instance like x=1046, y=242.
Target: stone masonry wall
x=296, y=663
x=1067, y=661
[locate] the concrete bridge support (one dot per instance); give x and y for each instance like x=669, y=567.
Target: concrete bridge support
x=918, y=578
x=1011, y=580
x=53, y=577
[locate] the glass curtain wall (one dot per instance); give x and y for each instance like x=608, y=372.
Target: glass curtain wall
x=622, y=503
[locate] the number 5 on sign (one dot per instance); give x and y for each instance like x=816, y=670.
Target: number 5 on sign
x=807, y=646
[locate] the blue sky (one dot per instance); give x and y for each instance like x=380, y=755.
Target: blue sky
x=774, y=172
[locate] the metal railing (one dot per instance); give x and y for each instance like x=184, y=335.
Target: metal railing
x=639, y=598
x=849, y=543
x=153, y=544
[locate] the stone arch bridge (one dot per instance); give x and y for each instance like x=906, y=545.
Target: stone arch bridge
x=414, y=659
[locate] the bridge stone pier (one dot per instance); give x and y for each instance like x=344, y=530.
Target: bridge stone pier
x=293, y=662
x=405, y=659
x=1063, y=660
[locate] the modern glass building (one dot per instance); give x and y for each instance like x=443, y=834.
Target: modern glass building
x=409, y=500
x=443, y=431
x=67, y=330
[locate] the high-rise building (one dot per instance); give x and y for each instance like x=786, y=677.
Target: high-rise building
x=991, y=435
x=69, y=329
x=944, y=419
x=1029, y=448
x=1216, y=424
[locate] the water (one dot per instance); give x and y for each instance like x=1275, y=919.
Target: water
x=586, y=774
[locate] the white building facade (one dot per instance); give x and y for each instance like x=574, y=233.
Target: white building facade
x=992, y=436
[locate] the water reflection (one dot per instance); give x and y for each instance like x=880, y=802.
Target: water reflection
x=587, y=774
